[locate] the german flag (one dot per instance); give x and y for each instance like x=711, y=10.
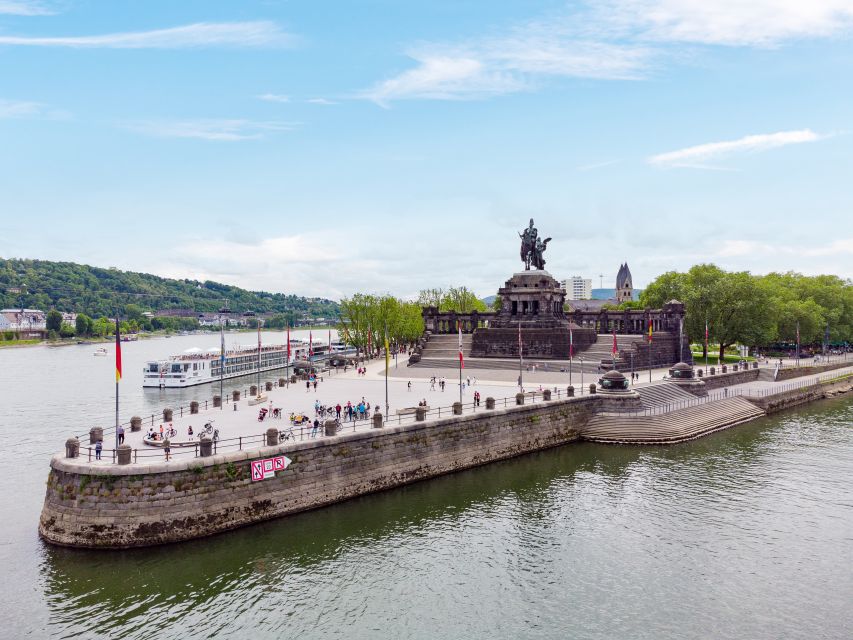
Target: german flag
x=650, y=330
x=118, y=352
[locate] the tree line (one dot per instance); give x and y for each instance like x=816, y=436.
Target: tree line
x=77, y=288
x=757, y=310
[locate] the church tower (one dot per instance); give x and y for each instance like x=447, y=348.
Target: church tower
x=624, y=285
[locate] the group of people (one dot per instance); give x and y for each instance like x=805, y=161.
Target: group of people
x=163, y=434
x=311, y=380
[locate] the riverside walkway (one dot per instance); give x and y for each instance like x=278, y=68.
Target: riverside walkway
x=240, y=429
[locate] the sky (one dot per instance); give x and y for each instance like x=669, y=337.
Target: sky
x=327, y=148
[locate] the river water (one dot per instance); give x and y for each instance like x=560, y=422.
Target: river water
x=747, y=533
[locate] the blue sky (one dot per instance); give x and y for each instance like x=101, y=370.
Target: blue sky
x=323, y=148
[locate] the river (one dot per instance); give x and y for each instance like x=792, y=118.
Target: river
x=747, y=533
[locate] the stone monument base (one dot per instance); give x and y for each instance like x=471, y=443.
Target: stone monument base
x=546, y=343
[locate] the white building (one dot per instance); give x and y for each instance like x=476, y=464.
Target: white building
x=24, y=319
x=577, y=288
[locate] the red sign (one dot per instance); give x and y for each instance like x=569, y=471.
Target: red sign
x=266, y=468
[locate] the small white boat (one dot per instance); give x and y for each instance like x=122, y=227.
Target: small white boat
x=101, y=351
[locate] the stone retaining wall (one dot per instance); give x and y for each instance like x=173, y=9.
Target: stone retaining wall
x=799, y=372
x=139, y=505
x=720, y=380
x=795, y=397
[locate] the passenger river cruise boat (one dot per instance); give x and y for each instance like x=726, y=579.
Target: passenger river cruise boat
x=195, y=366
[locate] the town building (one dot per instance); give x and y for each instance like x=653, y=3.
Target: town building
x=577, y=288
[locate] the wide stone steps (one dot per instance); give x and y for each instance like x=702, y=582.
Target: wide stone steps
x=660, y=395
x=446, y=347
x=509, y=365
x=677, y=426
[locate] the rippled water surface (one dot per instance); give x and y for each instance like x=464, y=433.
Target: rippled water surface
x=744, y=534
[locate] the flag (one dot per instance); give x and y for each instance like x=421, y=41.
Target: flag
x=387, y=352
x=310, y=344
x=571, y=344
x=259, y=334
x=615, y=348
x=221, y=345
x=706, y=334
x=288, y=343
x=798, y=332
x=118, y=352
x=369, y=341
x=519, y=341
x=329, y=354
x=461, y=359
x=650, y=330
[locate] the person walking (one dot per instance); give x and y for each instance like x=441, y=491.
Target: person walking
x=98, y=447
x=167, y=448
x=120, y=432
x=307, y=386
x=338, y=410
x=316, y=427
x=410, y=385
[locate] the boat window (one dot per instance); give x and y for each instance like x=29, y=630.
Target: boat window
x=176, y=368
x=153, y=367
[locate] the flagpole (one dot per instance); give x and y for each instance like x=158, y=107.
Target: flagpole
x=706, y=344
x=459, y=328
x=520, y=361
x=571, y=353
x=118, y=372
x=259, y=356
x=386, y=371
x=221, y=361
x=287, y=361
x=650, y=350
x=798, y=343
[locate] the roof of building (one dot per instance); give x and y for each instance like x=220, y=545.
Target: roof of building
x=623, y=278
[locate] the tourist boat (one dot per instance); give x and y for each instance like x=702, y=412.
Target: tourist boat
x=194, y=366
x=101, y=351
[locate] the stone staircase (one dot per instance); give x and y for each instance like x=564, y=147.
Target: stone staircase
x=442, y=351
x=668, y=428
x=661, y=395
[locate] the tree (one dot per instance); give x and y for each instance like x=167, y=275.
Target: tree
x=83, y=325
x=430, y=297
x=497, y=303
x=54, y=320
x=461, y=300
x=66, y=330
x=740, y=311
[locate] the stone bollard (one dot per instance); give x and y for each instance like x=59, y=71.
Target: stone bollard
x=490, y=403
x=293, y=379
x=725, y=368
x=167, y=415
x=268, y=385
x=331, y=427
x=519, y=398
x=123, y=454
x=420, y=414
x=592, y=388
x=457, y=408
x=253, y=390
x=193, y=407
x=755, y=365
x=546, y=395
x=96, y=434
x=272, y=437
x=72, y=448
x=570, y=392
x=377, y=420
x=205, y=447
x=217, y=401
x=235, y=396
x=734, y=367
x=699, y=372
x=712, y=371
x=136, y=423
x=281, y=382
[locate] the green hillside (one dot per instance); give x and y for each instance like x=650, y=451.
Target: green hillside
x=71, y=287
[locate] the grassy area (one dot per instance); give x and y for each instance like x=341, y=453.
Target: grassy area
x=19, y=343
x=698, y=358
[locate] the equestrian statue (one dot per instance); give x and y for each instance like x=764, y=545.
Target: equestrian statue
x=532, y=248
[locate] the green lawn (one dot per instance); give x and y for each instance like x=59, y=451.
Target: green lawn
x=18, y=343
x=712, y=357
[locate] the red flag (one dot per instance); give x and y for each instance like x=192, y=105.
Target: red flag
x=615, y=348
x=461, y=360
x=118, y=352
x=288, y=343
x=310, y=344
x=519, y=341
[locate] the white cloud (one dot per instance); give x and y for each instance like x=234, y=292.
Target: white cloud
x=726, y=22
x=273, y=97
x=511, y=62
x=737, y=248
x=221, y=130
x=24, y=8
x=202, y=34
x=21, y=109
x=697, y=156
x=322, y=101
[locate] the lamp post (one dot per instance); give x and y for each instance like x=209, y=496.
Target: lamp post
x=581, y=359
x=632, y=367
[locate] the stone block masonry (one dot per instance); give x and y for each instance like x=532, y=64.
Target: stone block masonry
x=140, y=505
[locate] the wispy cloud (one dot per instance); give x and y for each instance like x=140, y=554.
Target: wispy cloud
x=323, y=101
x=739, y=248
x=698, y=156
x=23, y=109
x=220, y=130
x=24, y=8
x=598, y=165
x=273, y=97
x=725, y=22
x=512, y=62
x=199, y=35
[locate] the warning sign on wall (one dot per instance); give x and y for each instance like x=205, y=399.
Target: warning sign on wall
x=266, y=468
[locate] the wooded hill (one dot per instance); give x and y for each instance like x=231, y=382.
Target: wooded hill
x=71, y=287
